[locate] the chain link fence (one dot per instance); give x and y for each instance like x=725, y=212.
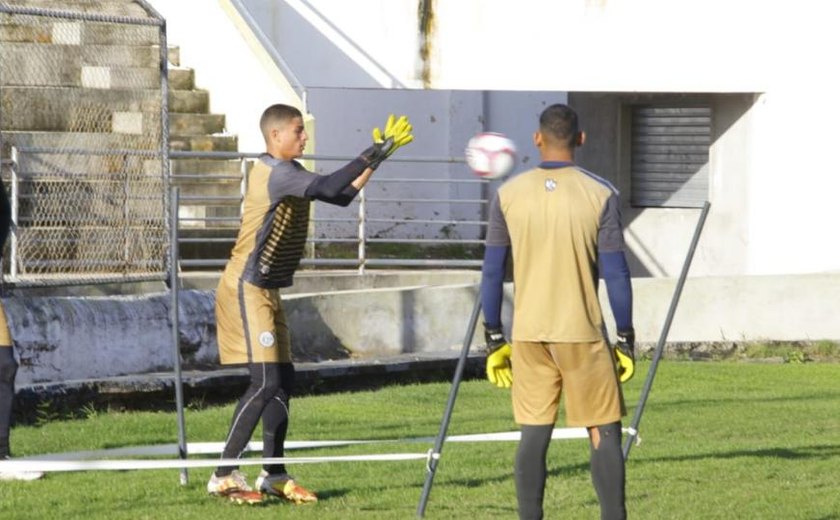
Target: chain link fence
x=84, y=143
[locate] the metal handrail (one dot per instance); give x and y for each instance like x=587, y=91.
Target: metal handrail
x=362, y=218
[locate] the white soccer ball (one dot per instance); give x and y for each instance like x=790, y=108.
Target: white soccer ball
x=490, y=155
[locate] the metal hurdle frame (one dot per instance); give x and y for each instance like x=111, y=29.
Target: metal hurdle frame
x=435, y=454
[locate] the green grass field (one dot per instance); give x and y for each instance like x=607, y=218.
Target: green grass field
x=719, y=440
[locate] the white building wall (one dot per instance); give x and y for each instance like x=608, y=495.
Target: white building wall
x=589, y=45
x=443, y=123
x=358, y=44
x=796, y=179
x=773, y=172
x=229, y=62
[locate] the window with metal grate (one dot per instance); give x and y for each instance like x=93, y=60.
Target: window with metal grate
x=670, y=155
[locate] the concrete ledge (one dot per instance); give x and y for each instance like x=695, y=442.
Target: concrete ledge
x=157, y=390
x=346, y=316
x=77, y=337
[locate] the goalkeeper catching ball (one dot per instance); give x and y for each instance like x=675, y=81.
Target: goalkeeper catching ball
x=251, y=325
x=561, y=226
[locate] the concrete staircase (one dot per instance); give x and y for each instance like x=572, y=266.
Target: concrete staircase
x=210, y=188
x=99, y=88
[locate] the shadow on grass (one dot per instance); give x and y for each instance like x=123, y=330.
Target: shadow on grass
x=805, y=452
x=681, y=403
x=567, y=471
x=477, y=511
x=329, y=494
x=575, y=470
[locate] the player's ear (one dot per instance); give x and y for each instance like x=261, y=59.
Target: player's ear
x=580, y=139
x=275, y=134
x=538, y=139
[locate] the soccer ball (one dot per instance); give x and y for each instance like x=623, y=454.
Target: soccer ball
x=490, y=155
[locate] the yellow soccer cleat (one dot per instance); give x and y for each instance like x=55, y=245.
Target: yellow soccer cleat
x=234, y=487
x=284, y=486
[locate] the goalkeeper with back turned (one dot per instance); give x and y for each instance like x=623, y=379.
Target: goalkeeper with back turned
x=561, y=226
x=251, y=326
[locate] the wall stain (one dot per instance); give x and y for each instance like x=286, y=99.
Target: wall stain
x=426, y=17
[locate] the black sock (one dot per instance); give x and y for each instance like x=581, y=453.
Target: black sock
x=607, y=467
x=530, y=470
x=265, y=383
x=8, y=368
x=276, y=420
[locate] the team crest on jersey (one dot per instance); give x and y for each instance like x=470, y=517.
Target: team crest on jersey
x=550, y=185
x=267, y=339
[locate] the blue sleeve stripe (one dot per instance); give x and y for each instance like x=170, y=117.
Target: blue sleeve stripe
x=616, y=274
x=601, y=180
x=492, y=284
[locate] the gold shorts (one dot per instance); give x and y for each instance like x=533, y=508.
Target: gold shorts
x=250, y=323
x=5, y=335
x=583, y=373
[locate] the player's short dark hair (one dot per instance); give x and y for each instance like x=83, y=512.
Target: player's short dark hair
x=559, y=122
x=277, y=114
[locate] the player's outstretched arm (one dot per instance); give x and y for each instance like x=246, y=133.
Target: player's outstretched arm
x=342, y=186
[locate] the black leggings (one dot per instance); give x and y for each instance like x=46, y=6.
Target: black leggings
x=267, y=397
x=8, y=368
x=606, y=465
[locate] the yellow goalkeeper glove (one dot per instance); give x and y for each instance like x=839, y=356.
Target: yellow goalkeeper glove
x=396, y=134
x=625, y=359
x=499, y=370
x=397, y=128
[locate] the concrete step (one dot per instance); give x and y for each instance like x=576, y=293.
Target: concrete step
x=70, y=74
x=32, y=57
x=78, y=140
x=75, y=32
x=204, y=143
x=202, y=240
x=210, y=199
x=57, y=108
x=69, y=4
x=206, y=167
x=213, y=194
x=105, y=7
x=192, y=170
x=195, y=101
x=18, y=102
x=181, y=78
x=52, y=4
x=186, y=123
x=42, y=164
x=174, y=55
x=82, y=110
x=197, y=217
x=57, y=210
